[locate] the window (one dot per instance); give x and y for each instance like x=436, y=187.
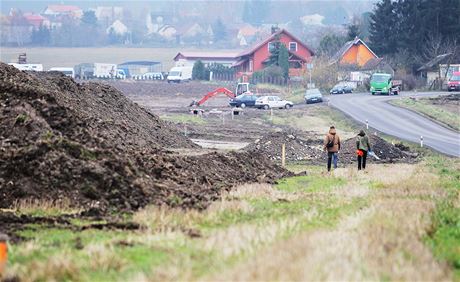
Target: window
x=295, y=65
x=271, y=45
x=293, y=46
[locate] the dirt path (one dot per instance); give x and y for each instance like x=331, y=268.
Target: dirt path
x=382, y=241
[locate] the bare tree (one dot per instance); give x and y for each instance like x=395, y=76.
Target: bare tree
x=434, y=46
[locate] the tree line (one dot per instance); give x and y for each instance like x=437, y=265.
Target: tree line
x=412, y=32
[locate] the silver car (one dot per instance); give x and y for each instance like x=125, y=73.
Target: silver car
x=275, y=102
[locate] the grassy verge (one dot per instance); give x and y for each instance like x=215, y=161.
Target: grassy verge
x=183, y=245
x=445, y=117
x=445, y=236
x=388, y=206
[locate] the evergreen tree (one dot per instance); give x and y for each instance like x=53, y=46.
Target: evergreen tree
x=199, y=71
x=353, y=31
x=383, y=33
x=330, y=44
x=411, y=26
x=421, y=28
x=274, y=52
x=365, y=25
x=283, y=60
x=443, y=16
x=89, y=18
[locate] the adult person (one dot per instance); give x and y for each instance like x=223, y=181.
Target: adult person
x=363, y=146
x=332, y=147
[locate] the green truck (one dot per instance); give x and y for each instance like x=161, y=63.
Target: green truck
x=383, y=83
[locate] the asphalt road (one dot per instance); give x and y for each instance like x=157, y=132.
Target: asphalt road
x=398, y=122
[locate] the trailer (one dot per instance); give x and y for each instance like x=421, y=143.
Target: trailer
x=98, y=70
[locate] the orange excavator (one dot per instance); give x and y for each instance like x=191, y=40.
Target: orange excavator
x=241, y=88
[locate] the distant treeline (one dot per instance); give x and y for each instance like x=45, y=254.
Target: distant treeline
x=413, y=32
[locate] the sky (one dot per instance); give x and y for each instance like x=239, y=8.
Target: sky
x=352, y=6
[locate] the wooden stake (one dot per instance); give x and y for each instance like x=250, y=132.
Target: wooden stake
x=283, y=155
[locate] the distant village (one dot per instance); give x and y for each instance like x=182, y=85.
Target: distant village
x=340, y=46
x=68, y=26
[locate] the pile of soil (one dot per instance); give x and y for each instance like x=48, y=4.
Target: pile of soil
x=299, y=147
x=446, y=99
x=192, y=89
x=90, y=144
x=387, y=152
x=162, y=88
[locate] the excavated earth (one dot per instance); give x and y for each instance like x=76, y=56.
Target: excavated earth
x=300, y=147
x=89, y=144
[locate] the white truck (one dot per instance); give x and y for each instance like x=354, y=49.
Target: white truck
x=102, y=70
x=98, y=70
x=180, y=74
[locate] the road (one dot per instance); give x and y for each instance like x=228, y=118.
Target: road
x=398, y=122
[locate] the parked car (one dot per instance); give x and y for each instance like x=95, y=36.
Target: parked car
x=243, y=101
x=267, y=102
x=340, y=89
x=153, y=75
x=454, y=82
x=313, y=96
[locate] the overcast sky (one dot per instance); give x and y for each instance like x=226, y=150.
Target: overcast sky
x=352, y=6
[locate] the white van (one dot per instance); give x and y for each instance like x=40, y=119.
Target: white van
x=66, y=71
x=180, y=74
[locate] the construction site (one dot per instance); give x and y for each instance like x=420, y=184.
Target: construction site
x=150, y=181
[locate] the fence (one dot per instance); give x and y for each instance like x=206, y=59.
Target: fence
x=231, y=77
x=224, y=77
x=276, y=80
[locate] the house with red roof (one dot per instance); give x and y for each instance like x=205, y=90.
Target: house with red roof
x=36, y=20
x=256, y=58
x=63, y=10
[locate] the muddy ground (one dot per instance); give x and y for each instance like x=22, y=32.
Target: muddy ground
x=449, y=103
x=90, y=144
x=252, y=129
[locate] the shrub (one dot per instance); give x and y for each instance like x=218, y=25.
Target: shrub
x=199, y=72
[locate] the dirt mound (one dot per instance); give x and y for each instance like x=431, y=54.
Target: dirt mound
x=163, y=89
x=446, y=99
x=299, y=147
x=387, y=152
x=90, y=144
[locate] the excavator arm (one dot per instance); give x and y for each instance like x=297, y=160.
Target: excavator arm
x=214, y=93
